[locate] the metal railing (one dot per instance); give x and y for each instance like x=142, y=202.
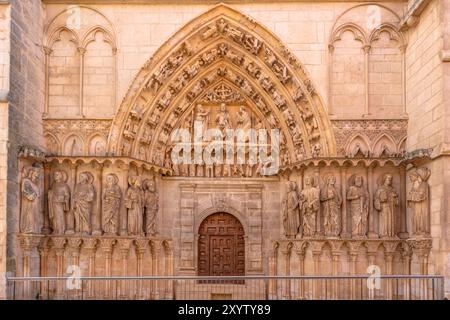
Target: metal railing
x=362, y=287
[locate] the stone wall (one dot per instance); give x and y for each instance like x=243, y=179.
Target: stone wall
x=428, y=110
x=4, y=88
x=26, y=100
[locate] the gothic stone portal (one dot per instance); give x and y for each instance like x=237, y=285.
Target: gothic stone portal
x=221, y=247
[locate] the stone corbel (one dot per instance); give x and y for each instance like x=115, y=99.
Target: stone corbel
x=444, y=55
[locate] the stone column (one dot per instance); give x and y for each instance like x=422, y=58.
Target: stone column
x=47, y=51
x=330, y=77
x=366, y=49
x=123, y=218
x=124, y=246
x=73, y=246
x=89, y=245
x=70, y=219
x=301, y=251
x=106, y=246
x=372, y=234
x=27, y=243
x=168, y=271
x=345, y=232
x=319, y=228
x=273, y=271
x=403, y=233
x=406, y=259
x=421, y=248
x=96, y=213
x=372, y=247
x=46, y=221
x=352, y=256
x=336, y=258
x=389, y=258
x=44, y=249
x=403, y=52
x=82, y=52
x=141, y=248
x=317, y=252
x=287, y=270
x=58, y=246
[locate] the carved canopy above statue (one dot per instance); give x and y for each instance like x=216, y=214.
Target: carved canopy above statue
x=219, y=57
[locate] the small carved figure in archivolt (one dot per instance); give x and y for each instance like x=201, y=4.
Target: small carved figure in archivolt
x=135, y=204
x=290, y=211
x=59, y=202
x=309, y=206
x=151, y=204
x=332, y=201
x=30, y=205
x=418, y=201
x=83, y=200
x=358, y=196
x=386, y=201
x=112, y=197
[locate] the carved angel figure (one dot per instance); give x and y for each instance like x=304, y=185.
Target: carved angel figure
x=358, y=196
x=290, y=211
x=59, y=202
x=386, y=201
x=135, y=204
x=418, y=201
x=332, y=200
x=83, y=199
x=30, y=200
x=309, y=207
x=112, y=197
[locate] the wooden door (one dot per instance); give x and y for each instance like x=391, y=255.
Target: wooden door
x=221, y=247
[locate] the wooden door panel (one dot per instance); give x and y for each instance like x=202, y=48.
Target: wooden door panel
x=221, y=247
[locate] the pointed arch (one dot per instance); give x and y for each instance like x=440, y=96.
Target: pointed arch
x=222, y=38
x=378, y=145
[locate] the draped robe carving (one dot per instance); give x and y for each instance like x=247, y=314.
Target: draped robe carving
x=83, y=201
x=359, y=206
x=332, y=200
x=112, y=197
x=30, y=201
x=290, y=210
x=134, y=204
x=418, y=201
x=386, y=201
x=309, y=206
x=59, y=202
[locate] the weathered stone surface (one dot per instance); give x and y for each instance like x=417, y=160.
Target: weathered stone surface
x=97, y=92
